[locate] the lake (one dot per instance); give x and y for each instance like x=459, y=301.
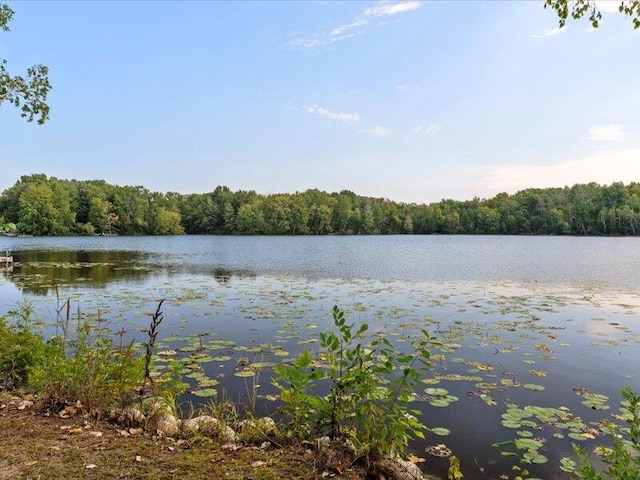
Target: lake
x=539, y=333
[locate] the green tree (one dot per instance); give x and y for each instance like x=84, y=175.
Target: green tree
x=431, y=219
x=407, y=225
x=299, y=215
x=249, y=220
x=38, y=214
x=342, y=212
x=161, y=221
x=98, y=212
x=277, y=214
x=320, y=219
x=579, y=8
x=28, y=93
x=583, y=203
x=50, y=206
x=131, y=204
x=368, y=221
x=229, y=217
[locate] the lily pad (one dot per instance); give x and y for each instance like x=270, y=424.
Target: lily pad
x=221, y=358
x=567, y=465
x=596, y=401
x=533, y=386
x=206, y=392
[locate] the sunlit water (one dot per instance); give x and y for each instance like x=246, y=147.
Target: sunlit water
x=559, y=313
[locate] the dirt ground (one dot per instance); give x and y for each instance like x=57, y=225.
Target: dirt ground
x=34, y=445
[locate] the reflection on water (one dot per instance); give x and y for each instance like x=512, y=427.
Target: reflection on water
x=40, y=272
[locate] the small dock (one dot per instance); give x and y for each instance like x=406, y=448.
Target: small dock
x=6, y=260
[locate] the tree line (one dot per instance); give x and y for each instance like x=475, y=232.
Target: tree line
x=38, y=205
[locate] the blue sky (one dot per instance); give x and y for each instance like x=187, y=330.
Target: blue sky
x=412, y=101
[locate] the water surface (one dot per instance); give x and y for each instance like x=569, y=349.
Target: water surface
x=559, y=313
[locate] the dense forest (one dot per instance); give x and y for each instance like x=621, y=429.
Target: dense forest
x=37, y=205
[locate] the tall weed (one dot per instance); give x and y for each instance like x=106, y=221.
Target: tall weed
x=89, y=370
x=370, y=386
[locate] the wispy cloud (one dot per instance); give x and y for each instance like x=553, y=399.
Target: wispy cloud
x=428, y=130
x=340, y=30
x=405, y=87
x=550, y=33
x=379, y=131
x=602, y=167
x=351, y=119
x=369, y=18
x=613, y=132
x=347, y=117
x=390, y=9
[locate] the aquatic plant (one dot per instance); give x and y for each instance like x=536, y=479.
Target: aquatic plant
x=370, y=386
x=623, y=457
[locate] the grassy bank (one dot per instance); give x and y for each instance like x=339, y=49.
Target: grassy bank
x=39, y=444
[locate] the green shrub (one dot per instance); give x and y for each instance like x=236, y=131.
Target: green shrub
x=623, y=458
x=95, y=373
x=369, y=387
x=21, y=348
x=87, y=368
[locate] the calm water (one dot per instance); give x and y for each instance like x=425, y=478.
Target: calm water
x=614, y=261
x=543, y=312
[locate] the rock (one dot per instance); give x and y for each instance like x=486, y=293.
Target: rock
x=25, y=404
x=232, y=447
x=165, y=424
x=399, y=469
x=161, y=419
x=156, y=405
x=131, y=417
x=267, y=425
x=209, y=427
x=229, y=435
